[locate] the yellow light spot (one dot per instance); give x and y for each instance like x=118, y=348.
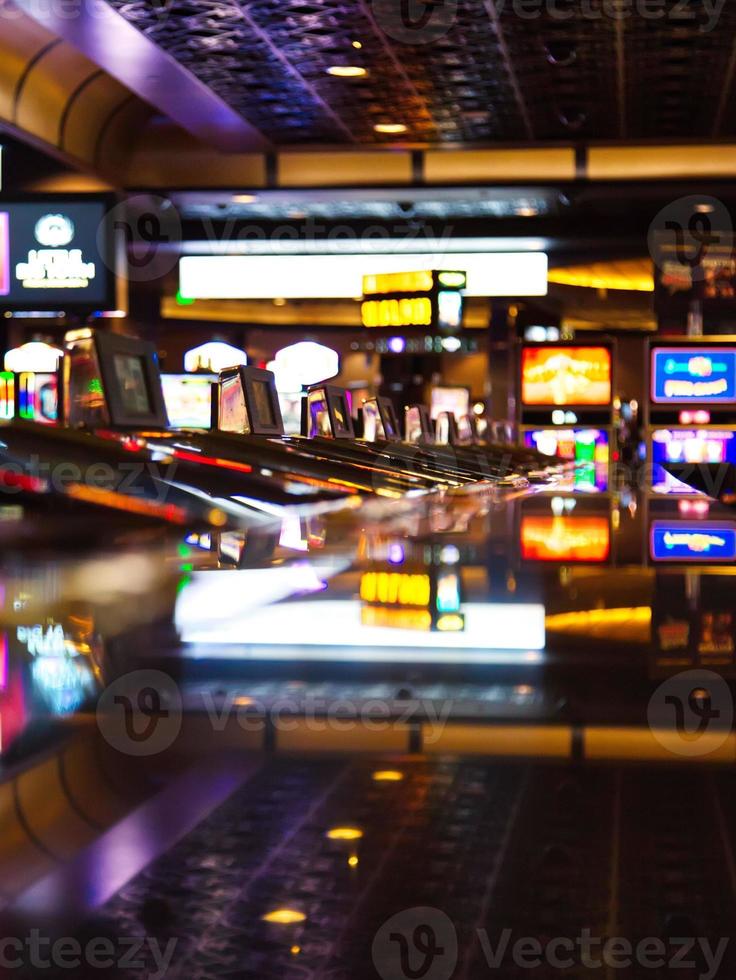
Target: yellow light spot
x=357, y=45
x=450, y=623
x=390, y=128
x=388, y=776
x=344, y=833
x=296, y=950
x=353, y=861
x=217, y=517
x=284, y=917
x=347, y=71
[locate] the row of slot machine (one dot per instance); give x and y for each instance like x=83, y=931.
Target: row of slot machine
x=638, y=520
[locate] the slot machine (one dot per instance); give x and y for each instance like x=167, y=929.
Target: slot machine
x=690, y=413
x=566, y=408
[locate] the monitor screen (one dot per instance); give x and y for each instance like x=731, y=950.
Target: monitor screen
x=56, y=255
x=589, y=448
x=188, y=399
x=38, y=397
x=565, y=538
x=688, y=446
x=130, y=372
x=456, y=401
x=693, y=375
x=233, y=415
x=262, y=403
x=700, y=541
x=558, y=375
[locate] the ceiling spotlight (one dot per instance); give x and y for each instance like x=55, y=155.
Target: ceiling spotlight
x=347, y=71
x=390, y=128
x=526, y=212
x=705, y=208
x=244, y=198
x=357, y=45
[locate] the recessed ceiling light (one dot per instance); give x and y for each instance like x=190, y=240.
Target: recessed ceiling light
x=390, y=128
x=244, y=198
x=347, y=71
x=357, y=45
x=704, y=208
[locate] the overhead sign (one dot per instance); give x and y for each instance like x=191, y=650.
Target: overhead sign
x=701, y=541
x=414, y=299
x=56, y=255
x=693, y=374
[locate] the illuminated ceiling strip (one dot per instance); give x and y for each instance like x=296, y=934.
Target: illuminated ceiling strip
x=331, y=276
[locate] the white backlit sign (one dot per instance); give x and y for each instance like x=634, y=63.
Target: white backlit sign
x=54, y=266
x=214, y=356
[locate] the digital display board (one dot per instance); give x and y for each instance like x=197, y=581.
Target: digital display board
x=558, y=375
x=188, y=399
x=697, y=375
x=688, y=446
x=699, y=541
x=565, y=538
x=456, y=401
x=56, y=255
x=589, y=448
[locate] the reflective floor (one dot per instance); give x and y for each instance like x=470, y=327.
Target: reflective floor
x=248, y=751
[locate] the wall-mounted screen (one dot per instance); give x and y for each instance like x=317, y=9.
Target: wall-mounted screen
x=188, y=399
x=688, y=446
x=565, y=538
x=558, y=375
x=56, y=255
x=693, y=375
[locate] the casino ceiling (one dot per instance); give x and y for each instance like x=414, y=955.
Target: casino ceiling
x=195, y=80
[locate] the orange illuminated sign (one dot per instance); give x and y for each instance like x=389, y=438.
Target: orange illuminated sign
x=567, y=538
x=565, y=376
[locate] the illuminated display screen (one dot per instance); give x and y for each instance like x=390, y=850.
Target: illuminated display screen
x=566, y=376
x=456, y=401
x=449, y=310
x=188, y=399
x=7, y=395
x=233, y=416
x=587, y=447
x=696, y=542
x=688, y=446
x=684, y=375
x=53, y=257
x=565, y=538
x=38, y=397
x=130, y=372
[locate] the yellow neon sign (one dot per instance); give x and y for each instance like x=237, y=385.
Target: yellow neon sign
x=395, y=588
x=414, y=311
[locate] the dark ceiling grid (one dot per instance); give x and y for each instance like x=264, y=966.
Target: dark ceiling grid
x=495, y=76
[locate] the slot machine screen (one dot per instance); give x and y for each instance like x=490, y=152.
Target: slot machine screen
x=453, y=400
x=38, y=397
x=131, y=376
x=565, y=538
x=693, y=375
x=560, y=376
x=232, y=413
x=688, y=446
x=188, y=399
x=589, y=448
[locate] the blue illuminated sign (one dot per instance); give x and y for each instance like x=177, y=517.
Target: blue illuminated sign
x=691, y=542
x=685, y=375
